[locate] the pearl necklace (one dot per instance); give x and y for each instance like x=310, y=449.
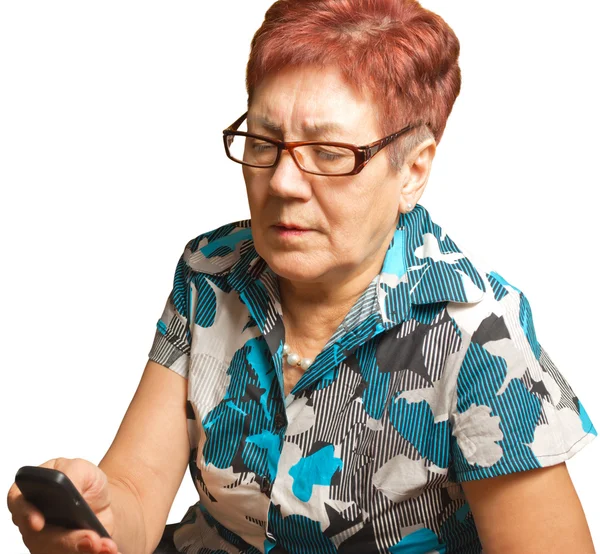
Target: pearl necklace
x=294, y=359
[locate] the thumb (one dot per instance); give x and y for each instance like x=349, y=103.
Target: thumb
x=88, y=479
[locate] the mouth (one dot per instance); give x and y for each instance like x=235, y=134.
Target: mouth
x=290, y=231
x=290, y=227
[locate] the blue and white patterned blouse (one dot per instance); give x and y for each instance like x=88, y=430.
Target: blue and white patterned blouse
x=434, y=377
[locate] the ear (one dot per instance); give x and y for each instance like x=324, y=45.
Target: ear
x=415, y=171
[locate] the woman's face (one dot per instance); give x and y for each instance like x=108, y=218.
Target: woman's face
x=351, y=219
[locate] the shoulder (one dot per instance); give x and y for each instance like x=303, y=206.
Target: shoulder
x=498, y=329
x=511, y=409
x=500, y=310
x=215, y=252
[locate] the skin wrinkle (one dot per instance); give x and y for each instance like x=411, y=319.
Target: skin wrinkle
x=352, y=218
x=325, y=130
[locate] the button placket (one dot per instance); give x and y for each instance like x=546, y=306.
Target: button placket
x=280, y=423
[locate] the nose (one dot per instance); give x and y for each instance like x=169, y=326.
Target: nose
x=288, y=180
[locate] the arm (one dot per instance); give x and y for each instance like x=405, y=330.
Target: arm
x=147, y=460
x=534, y=511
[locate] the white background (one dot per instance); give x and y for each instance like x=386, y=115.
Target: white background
x=111, y=159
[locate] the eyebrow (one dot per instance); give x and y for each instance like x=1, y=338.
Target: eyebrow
x=323, y=129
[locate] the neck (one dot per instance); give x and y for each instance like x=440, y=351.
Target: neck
x=314, y=306
x=318, y=307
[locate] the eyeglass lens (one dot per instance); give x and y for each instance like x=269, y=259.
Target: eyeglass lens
x=319, y=158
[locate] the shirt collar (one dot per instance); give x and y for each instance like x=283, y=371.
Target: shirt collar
x=423, y=265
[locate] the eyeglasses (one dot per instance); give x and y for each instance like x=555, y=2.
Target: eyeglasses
x=314, y=157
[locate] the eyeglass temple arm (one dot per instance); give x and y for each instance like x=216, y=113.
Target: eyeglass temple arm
x=371, y=150
x=234, y=126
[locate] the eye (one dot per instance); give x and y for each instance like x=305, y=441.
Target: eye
x=328, y=156
x=259, y=146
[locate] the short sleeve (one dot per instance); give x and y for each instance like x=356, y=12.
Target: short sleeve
x=514, y=410
x=172, y=340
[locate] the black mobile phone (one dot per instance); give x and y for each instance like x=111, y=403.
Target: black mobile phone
x=53, y=494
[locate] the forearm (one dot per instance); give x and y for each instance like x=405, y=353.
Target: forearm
x=130, y=529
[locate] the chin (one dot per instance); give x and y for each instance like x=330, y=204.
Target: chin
x=294, y=276
x=292, y=266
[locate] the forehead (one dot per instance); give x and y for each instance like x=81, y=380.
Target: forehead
x=312, y=99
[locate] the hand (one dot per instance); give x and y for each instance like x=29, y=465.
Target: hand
x=40, y=538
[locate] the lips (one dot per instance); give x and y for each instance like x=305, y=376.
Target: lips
x=291, y=227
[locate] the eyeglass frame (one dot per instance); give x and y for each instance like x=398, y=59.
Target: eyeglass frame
x=362, y=154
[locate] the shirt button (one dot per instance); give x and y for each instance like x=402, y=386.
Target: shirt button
x=279, y=421
x=265, y=486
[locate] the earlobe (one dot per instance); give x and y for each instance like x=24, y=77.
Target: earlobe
x=407, y=209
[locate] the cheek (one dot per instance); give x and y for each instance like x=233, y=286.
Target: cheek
x=256, y=194
x=348, y=232
x=349, y=209
x=342, y=204
x=359, y=222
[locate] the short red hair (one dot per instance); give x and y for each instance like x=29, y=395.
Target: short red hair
x=404, y=55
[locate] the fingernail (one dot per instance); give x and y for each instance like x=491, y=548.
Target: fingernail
x=84, y=546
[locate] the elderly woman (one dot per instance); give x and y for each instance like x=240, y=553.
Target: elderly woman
x=347, y=378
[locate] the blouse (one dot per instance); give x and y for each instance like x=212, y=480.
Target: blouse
x=434, y=377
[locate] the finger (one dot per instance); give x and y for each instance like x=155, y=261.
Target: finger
x=51, y=463
x=91, y=482
x=24, y=514
x=102, y=546
x=57, y=540
x=97, y=544
x=110, y=545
